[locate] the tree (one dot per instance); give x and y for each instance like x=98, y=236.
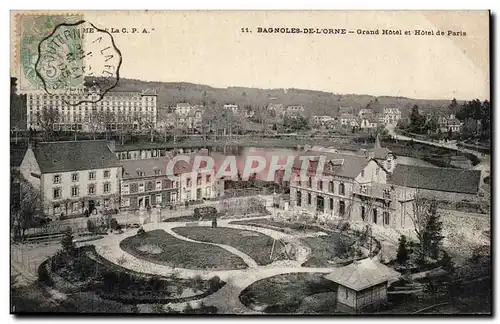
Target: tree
x=24, y=212
x=68, y=246
x=402, y=254
x=447, y=263
x=48, y=117
x=427, y=226
x=432, y=236
x=96, y=123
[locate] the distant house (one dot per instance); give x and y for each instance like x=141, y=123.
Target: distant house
x=231, y=107
x=449, y=123
x=324, y=121
x=391, y=116
x=368, y=121
x=348, y=120
x=183, y=108
x=277, y=108
x=294, y=110
x=364, y=113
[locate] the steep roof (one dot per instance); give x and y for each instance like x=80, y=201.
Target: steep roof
x=342, y=164
x=363, y=274
x=74, y=156
x=433, y=178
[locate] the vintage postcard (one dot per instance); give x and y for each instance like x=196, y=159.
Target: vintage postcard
x=250, y=162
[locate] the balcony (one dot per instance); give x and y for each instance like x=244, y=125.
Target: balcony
x=374, y=191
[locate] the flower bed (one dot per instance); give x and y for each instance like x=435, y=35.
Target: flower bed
x=85, y=272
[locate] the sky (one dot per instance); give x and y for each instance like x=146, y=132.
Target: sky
x=210, y=48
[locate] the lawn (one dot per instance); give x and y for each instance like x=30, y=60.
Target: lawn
x=86, y=272
x=256, y=245
x=294, y=293
x=323, y=248
x=159, y=247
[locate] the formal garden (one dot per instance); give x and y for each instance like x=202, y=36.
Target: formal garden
x=265, y=264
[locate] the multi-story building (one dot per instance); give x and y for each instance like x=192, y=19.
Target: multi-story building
x=371, y=187
x=364, y=113
x=73, y=177
x=391, y=116
x=191, y=121
x=278, y=109
x=183, y=108
x=145, y=183
x=324, y=121
x=368, y=122
x=116, y=110
x=231, y=107
x=198, y=185
x=295, y=111
x=348, y=120
x=447, y=124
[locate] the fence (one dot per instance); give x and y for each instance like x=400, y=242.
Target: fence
x=23, y=259
x=77, y=226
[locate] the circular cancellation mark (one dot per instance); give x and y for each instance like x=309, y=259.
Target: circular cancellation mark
x=78, y=59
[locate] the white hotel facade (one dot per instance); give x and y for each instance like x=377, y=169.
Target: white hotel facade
x=131, y=109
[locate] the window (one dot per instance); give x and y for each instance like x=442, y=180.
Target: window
x=198, y=181
x=374, y=215
x=330, y=186
x=331, y=203
x=125, y=202
x=157, y=172
x=75, y=206
x=150, y=186
x=346, y=293
x=309, y=198
x=74, y=177
x=158, y=198
x=320, y=185
x=299, y=198
x=386, y=217
x=91, y=175
x=309, y=183
x=57, y=178
x=125, y=188
x=363, y=212
x=74, y=191
x=107, y=174
x=56, y=193
x=342, y=188
x=141, y=187
x=188, y=182
x=158, y=185
x=91, y=189
x=342, y=208
x=363, y=173
x=208, y=178
x=107, y=187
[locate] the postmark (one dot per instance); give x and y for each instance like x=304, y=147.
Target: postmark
x=78, y=61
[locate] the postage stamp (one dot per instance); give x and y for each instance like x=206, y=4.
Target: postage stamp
x=64, y=54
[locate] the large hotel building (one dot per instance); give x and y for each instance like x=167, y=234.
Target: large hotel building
x=116, y=110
